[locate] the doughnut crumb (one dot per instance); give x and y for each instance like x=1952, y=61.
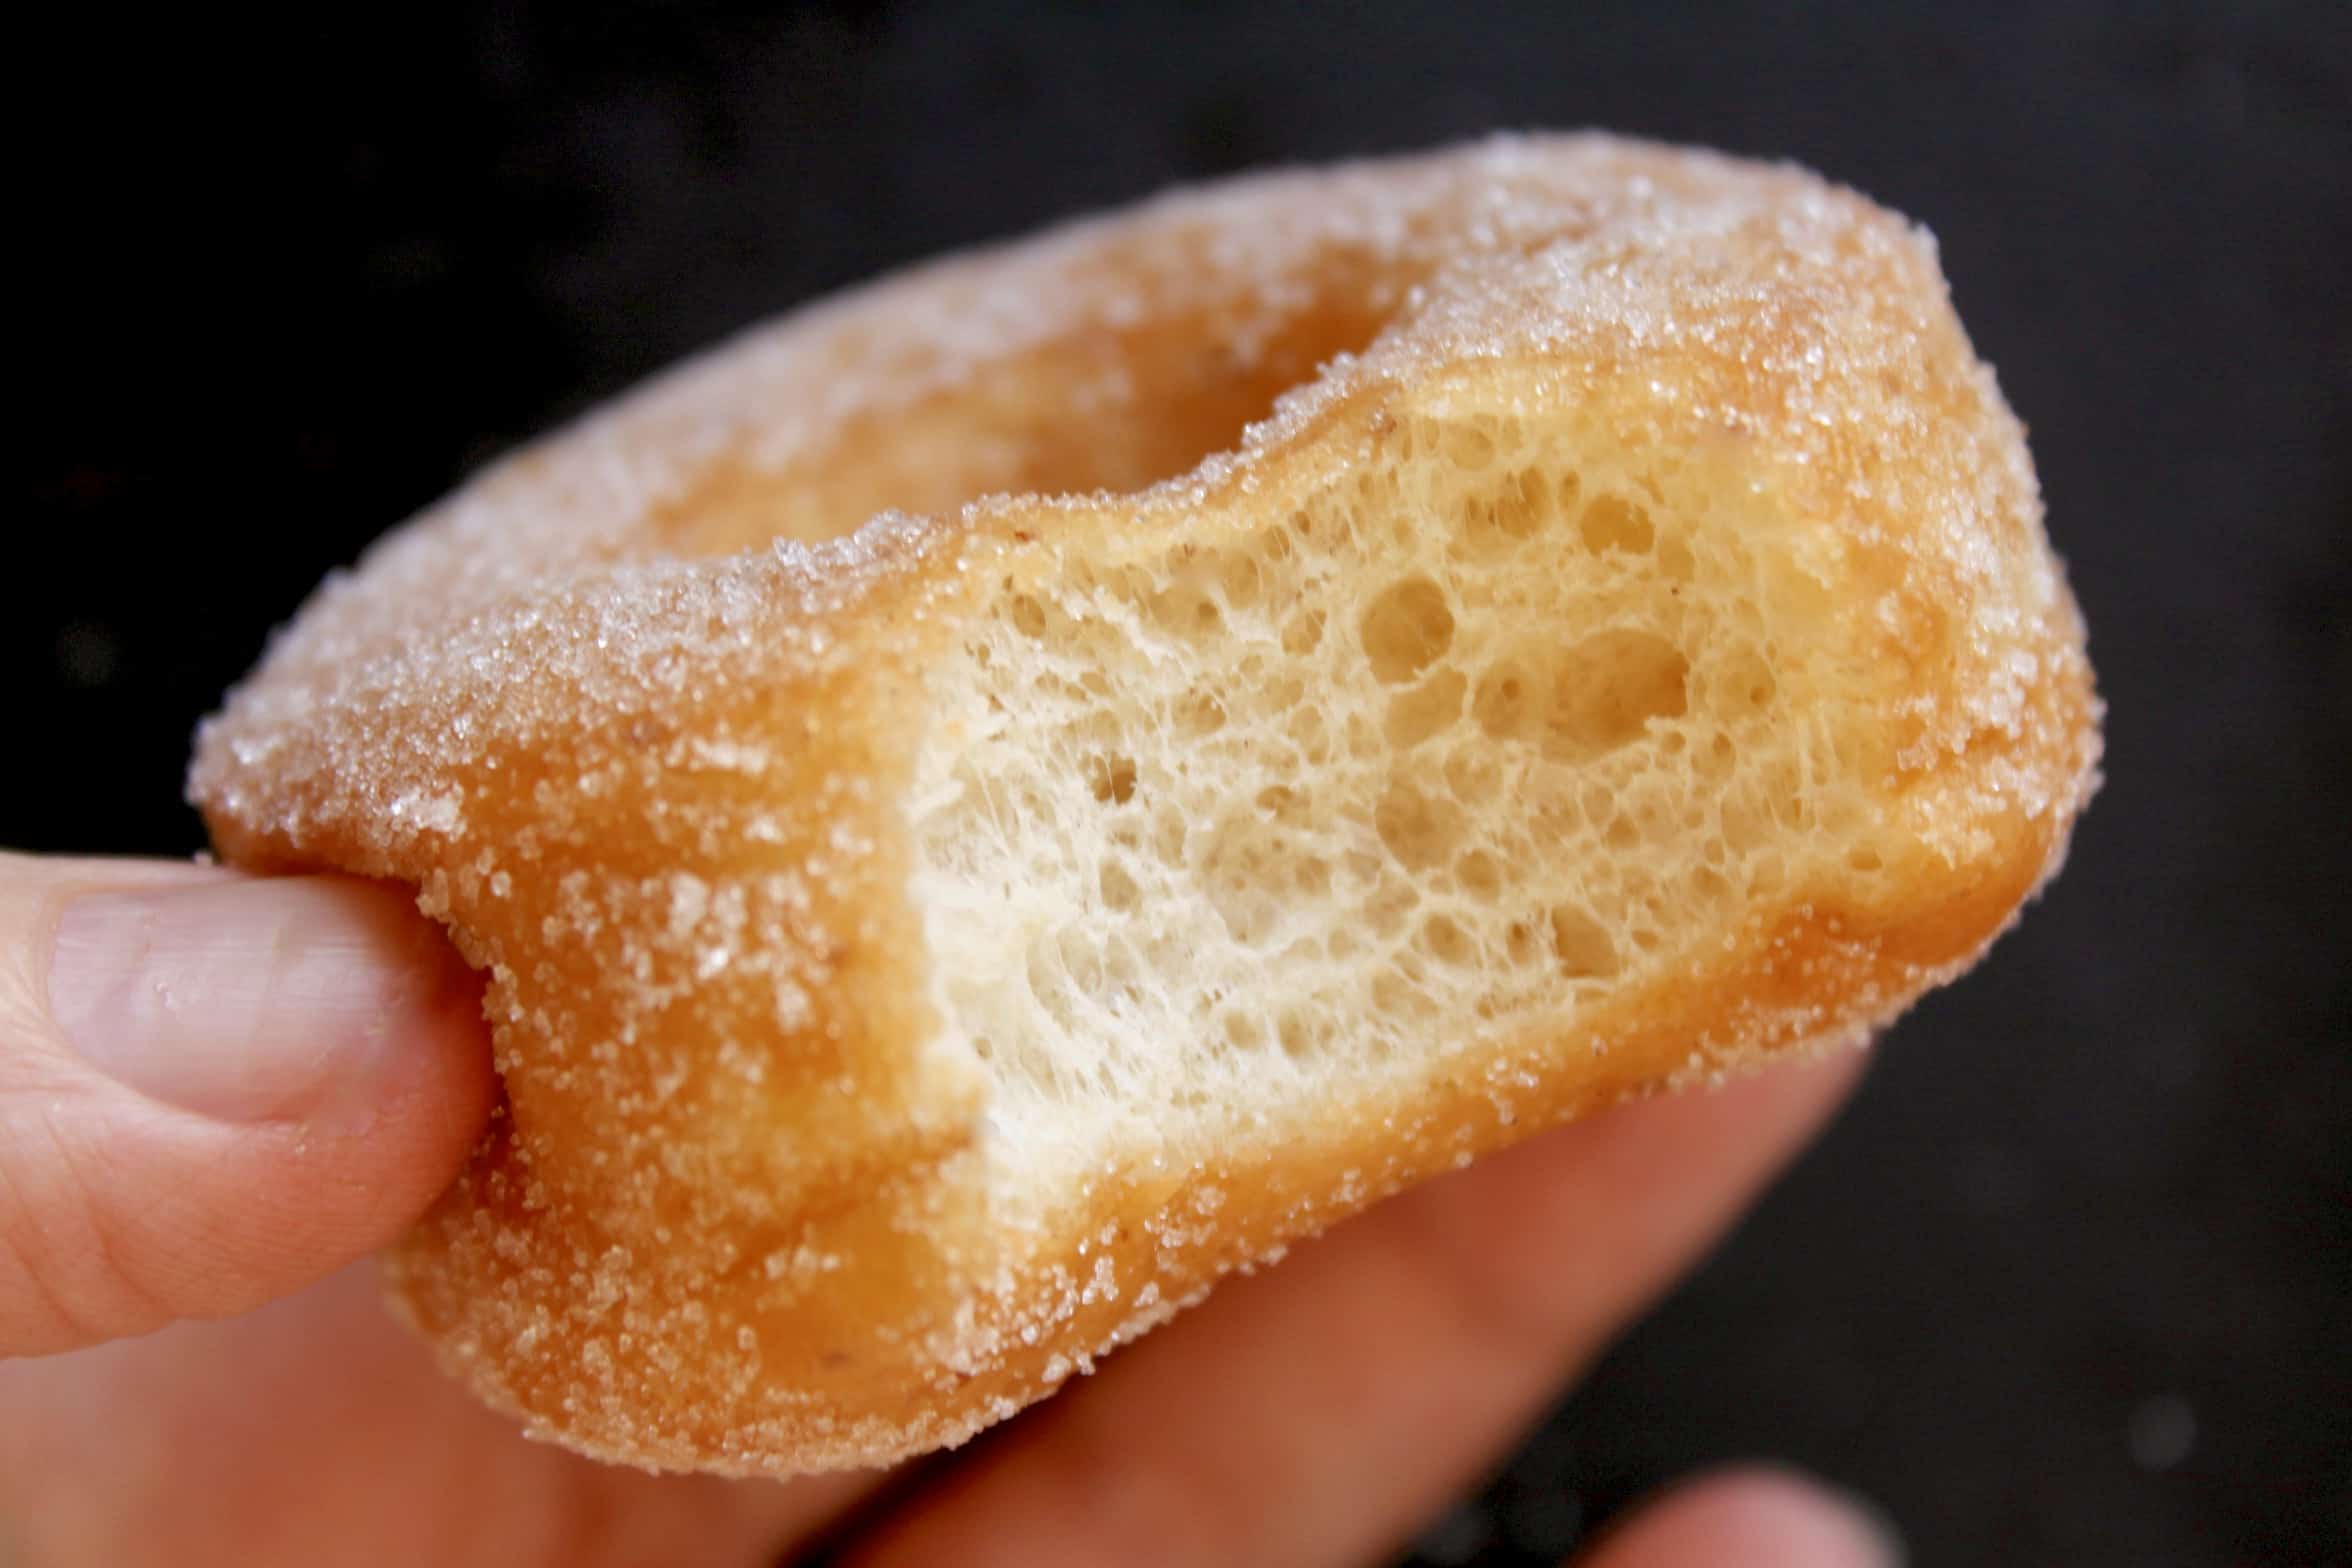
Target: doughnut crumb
x=1561, y=720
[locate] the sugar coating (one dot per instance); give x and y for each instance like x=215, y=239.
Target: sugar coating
x=1004, y=796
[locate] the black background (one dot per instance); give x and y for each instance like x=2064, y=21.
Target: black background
x=2073, y=1281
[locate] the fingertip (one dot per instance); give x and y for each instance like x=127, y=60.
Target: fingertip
x=243, y=1085
x=427, y=1061
x=1753, y=1516
x=250, y=1000
x=381, y=1018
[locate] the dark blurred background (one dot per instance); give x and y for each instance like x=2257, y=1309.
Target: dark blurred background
x=2073, y=1281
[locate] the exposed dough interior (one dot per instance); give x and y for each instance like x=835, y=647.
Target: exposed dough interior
x=1479, y=732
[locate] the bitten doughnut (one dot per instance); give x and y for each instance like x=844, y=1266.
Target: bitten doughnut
x=994, y=801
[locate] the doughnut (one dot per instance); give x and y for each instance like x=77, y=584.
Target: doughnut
x=1007, y=795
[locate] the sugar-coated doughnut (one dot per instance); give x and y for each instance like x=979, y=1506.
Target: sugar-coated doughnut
x=1004, y=796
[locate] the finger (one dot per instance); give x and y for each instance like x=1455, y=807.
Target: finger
x=1751, y=1517
x=215, y=1088
x=1317, y=1412
x=317, y=1431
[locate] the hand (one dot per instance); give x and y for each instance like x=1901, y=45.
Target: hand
x=216, y=1092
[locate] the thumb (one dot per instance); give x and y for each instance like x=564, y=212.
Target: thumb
x=214, y=1088
x=1751, y=1516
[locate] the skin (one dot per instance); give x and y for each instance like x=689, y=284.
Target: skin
x=198, y=1371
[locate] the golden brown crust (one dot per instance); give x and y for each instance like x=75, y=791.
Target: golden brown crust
x=649, y=769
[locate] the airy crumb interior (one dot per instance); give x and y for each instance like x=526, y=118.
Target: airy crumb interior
x=1225, y=814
